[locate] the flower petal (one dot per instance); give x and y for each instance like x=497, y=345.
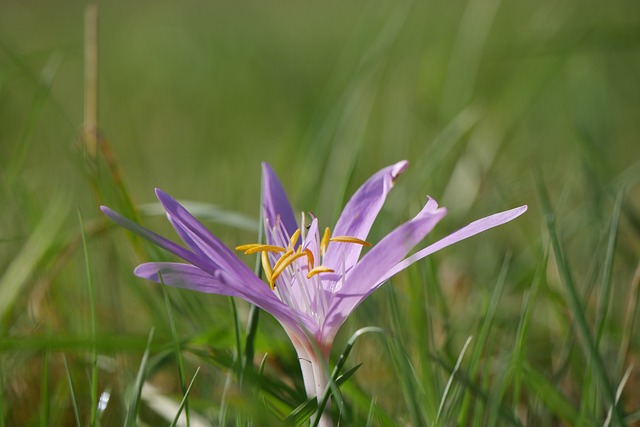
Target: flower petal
x=275, y=203
x=164, y=243
x=184, y=276
x=365, y=276
x=219, y=282
x=203, y=242
x=358, y=216
x=465, y=232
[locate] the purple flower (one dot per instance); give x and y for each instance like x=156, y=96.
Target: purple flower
x=315, y=281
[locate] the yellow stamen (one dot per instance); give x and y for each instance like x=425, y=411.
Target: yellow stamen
x=310, y=260
x=286, y=263
x=264, y=248
x=324, y=243
x=294, y=239
x=349, y=239
x=247, y=246
x=283, y=258
x=266, y=267
x=290, y=254
x=318, y=270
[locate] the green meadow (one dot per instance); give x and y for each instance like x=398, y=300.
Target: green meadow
x=495, y=104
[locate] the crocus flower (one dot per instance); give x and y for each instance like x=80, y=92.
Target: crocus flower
x=314, y=278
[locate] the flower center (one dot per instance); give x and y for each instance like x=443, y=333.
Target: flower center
x=290, y=254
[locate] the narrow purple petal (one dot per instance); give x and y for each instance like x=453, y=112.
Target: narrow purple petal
x=202, y=241
x=365, y=276
x=359, y=214
x=164, y=243
x=275, y=203
x=184, y=276
x=469, y=230
x=187, y=276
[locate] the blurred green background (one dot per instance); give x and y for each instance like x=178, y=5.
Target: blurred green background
x=192, y=96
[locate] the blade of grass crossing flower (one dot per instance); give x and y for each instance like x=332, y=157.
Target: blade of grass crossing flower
x=303, y=412
x=184, y=401
x=483, y=334
x=575, y=303
x=92, y=311
x=134, y=402
x=176, y=345
x=605, y=285
x=445, y=394
x=342, y=360
x=72, y=391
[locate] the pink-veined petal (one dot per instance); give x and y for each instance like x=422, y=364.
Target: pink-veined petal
x=359, y=214
x=365, y=276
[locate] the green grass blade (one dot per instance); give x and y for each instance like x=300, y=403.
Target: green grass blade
x=574, y=302
x=549, y=395
x=529, y=302
x=72, y=392
x=25, y=263
x=43, y=92
x=2, y=402
x=45, y=400
x=342, y=360
x=176, y=346
x=483, y=335
x=185, y=399
x=134, y=402
x=92, y=309
x=623, y=382
x=605, y=285
x=447, y=387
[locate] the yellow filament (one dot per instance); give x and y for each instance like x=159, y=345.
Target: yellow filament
x=267, y=267
x=318, y=270
x=283, y=258
x=349, y=239
x=286, y=263
x=294, y=239
x=310, y=260
x=248, y=246
x=264, y=248
x=324, y=243
x=290, y=254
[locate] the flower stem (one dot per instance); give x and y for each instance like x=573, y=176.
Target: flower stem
x=315, y=377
